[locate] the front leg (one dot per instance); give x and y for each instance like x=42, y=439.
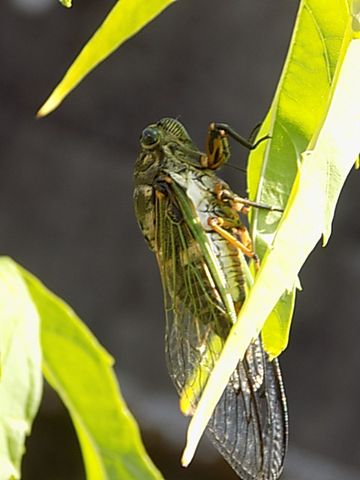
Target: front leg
x=217, y=148
x=217, y=145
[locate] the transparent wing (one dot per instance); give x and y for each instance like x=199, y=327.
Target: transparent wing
x=249, y=424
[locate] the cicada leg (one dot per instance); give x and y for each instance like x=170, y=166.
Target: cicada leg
x=243, y=243
x=254, y=132
x=245, y=142
x=217, y=146
x=240, y=204
x=232, y=205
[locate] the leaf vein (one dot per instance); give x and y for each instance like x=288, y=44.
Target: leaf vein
x=322, y=39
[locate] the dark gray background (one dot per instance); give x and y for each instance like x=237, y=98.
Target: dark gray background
x=66, y=214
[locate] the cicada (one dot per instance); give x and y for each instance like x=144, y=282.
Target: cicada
x=192, y=221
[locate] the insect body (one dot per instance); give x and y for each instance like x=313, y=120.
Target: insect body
x=190, y=220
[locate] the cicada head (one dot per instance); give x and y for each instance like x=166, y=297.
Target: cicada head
x=162, y=143
x=148, y=162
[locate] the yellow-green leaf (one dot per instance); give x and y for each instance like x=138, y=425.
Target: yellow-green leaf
x=308, y=215
x=79, y=369
x=20, y=367
x=297, y=110
x=125, y=19
x=66, y=3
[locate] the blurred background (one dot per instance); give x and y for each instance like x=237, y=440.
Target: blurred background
x=66, y=214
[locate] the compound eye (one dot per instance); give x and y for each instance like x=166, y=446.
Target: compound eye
x=149, y=137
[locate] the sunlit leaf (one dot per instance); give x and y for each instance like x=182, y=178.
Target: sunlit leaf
x=79, y=369
x=297, y=110
x=20, y=367
x=66, y=3
x=310, y=208
x=125, y=19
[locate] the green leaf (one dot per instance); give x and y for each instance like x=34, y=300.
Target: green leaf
x=66, y=3
x=20, y=367
x=79, y=369
x=315, y=190
x=297, y=110
x=125, y=19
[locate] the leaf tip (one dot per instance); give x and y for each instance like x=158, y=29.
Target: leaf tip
x=50, y=105
x=192, y=441
x=187, y=456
